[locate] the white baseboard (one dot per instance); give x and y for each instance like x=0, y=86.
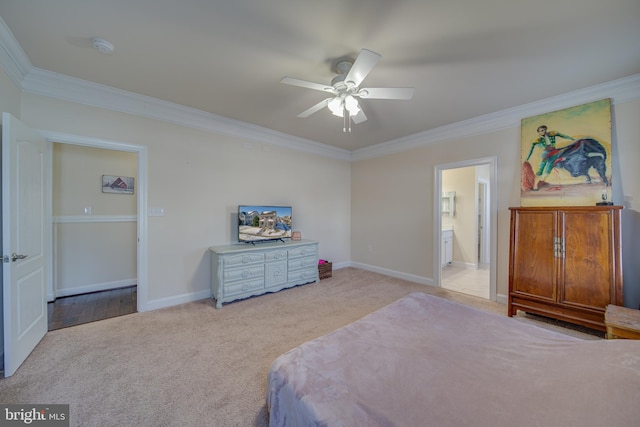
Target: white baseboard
x=95, y=287
x=394, y=273
x=176, y=300
x=196, y=296
x=502, y=299
x=465, y=265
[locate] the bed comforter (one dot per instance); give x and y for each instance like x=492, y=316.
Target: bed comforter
x=425, y=361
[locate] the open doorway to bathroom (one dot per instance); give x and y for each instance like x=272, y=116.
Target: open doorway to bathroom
x=464, y=224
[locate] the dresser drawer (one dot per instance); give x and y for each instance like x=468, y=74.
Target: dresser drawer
x=303, y=251
x=276, y=255
x=301, y=263
x=304, y=276
x=243, y=287
x=243, y=259
x=249, y=272
x=275, y=273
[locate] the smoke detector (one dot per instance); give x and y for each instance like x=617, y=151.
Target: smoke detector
x=102, y=45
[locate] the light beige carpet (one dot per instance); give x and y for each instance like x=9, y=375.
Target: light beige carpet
x=193, y=364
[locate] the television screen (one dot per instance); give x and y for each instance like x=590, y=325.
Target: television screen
x=259, y=223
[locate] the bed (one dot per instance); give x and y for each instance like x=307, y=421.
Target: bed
x=427, y=361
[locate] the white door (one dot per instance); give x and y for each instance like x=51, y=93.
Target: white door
x=24, y=238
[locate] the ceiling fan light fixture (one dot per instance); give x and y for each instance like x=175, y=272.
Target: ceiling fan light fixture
x=336, y=106
x=351, y=104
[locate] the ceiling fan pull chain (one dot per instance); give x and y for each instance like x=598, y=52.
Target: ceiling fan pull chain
x=344, y=119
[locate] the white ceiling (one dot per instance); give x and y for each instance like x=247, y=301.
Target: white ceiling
x=466, y=58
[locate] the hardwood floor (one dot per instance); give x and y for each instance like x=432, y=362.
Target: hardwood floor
x=79, y=309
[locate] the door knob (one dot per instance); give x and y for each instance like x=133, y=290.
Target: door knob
x=15, y=257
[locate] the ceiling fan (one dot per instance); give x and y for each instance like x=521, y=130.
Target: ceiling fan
x=345, y=88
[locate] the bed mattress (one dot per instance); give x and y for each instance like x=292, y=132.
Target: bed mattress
x=426, y=361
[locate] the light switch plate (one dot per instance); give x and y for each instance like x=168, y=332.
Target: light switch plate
x=156, y=211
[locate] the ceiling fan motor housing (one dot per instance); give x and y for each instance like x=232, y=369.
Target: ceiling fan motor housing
x=342, y=65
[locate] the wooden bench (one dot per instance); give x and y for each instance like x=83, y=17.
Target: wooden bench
x=622, y=322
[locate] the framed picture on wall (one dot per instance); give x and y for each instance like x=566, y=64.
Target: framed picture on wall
x=566, y=156
x=117, y=184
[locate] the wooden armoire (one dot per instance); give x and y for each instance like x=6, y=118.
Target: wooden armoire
x=565, y=262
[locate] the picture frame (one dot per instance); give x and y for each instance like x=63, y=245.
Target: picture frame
x=118, y=184
x=566, y=156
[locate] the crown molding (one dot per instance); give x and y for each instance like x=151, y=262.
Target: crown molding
x=620, y=91
x=16, y=64
x=12, y=58
x=59, y=86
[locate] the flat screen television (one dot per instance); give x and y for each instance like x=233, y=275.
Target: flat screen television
x=257, y=223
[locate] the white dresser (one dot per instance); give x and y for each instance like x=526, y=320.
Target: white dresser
x=244, y=270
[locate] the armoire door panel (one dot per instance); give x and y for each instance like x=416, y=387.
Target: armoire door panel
x=587, y=258
x=534, y=268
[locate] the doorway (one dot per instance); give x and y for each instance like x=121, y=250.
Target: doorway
x=470, y=229
x=140, y=196
x=94, y=213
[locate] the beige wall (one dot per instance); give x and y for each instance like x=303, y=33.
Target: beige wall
x=462, y=181
x=97, y=251
x=376, y=212
x=199, y=178
x=9, y=95
x=409, y=185
x=400, y=186
x=77, y=177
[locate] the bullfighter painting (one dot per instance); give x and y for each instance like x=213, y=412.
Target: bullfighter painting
x=566, y=156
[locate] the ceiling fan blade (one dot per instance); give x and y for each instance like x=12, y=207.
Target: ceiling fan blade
x=386, y=92
x=362, y=66
x=359, y=118
x=309, y=85
x=319, y=106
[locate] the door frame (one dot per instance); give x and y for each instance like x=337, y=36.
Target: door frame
x=141, y=196
x=484, y=249
x=493, y=217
